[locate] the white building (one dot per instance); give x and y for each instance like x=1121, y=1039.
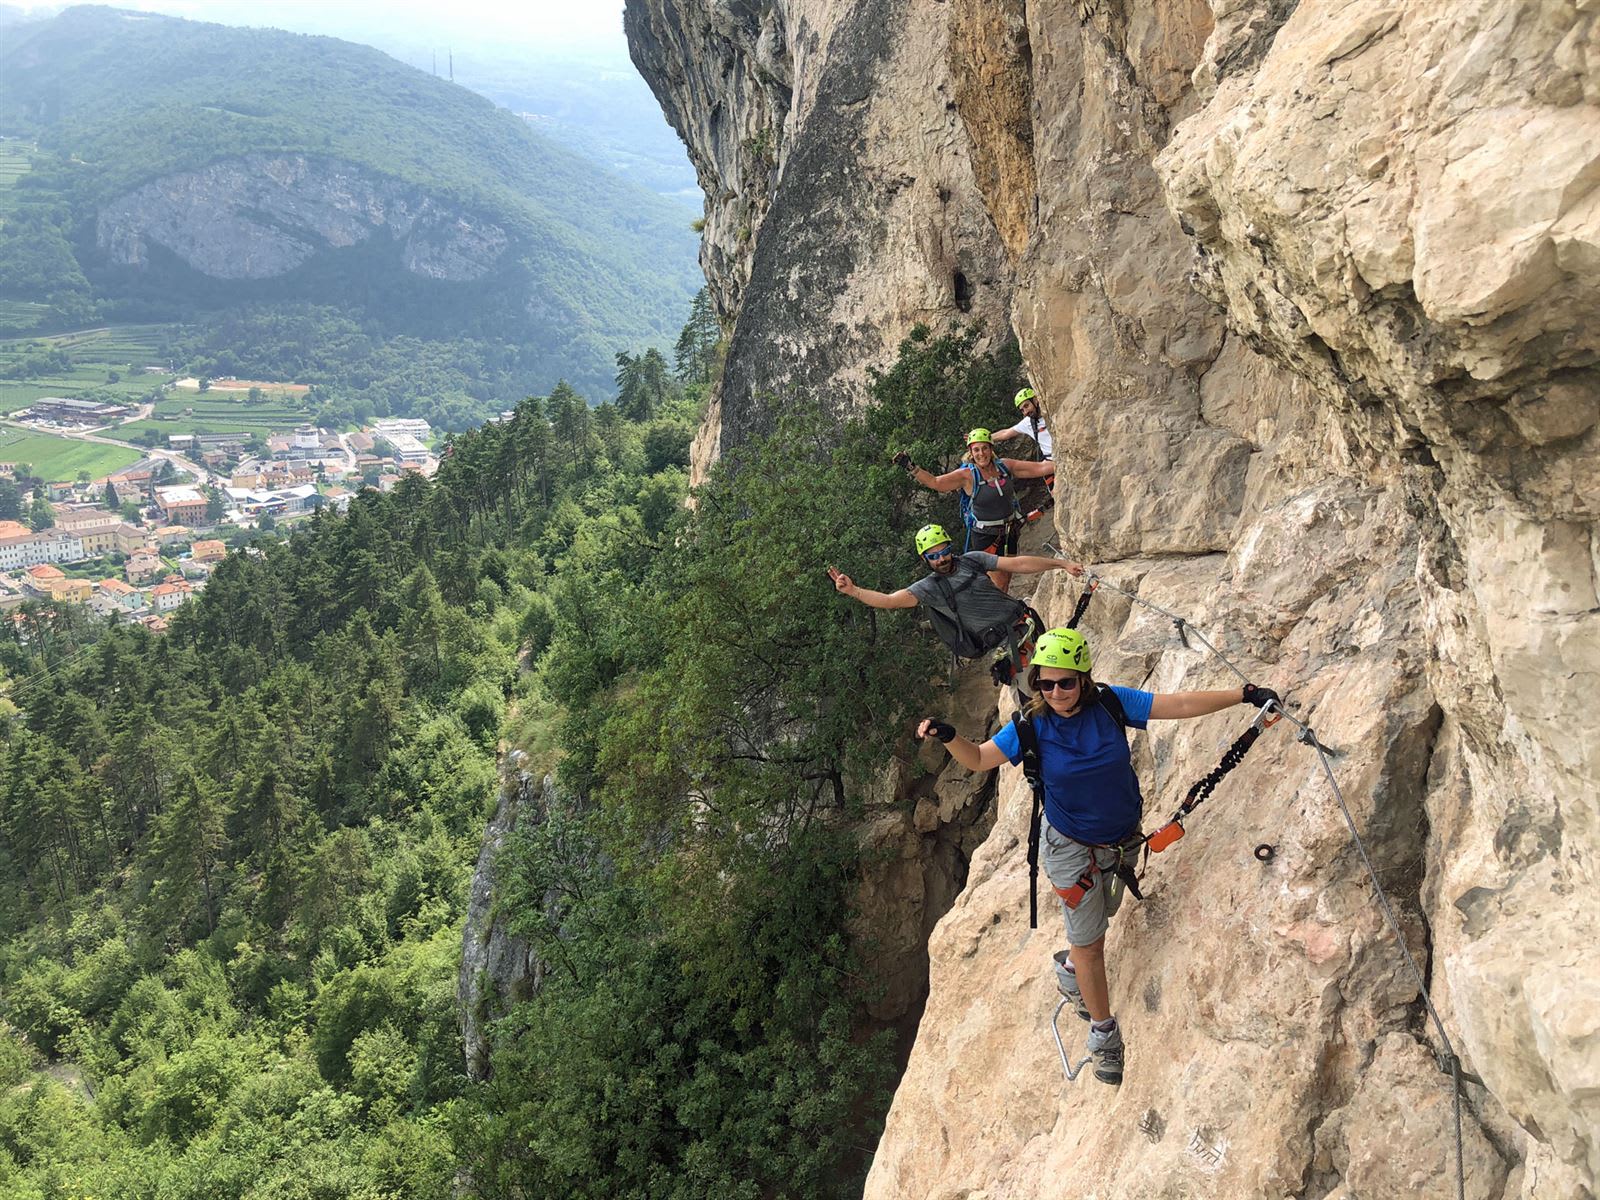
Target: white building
x=307, y=437
x=410, y=426
x=407, y=449
x=284, y=501
x=165, y=597
x=48, y=546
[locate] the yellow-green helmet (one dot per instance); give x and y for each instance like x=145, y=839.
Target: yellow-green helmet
x=930, y=536
x=1062, y=648
x=980, y=435
x=1024, y=396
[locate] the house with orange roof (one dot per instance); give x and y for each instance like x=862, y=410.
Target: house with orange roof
x=210, y=550
x=72, y=591
x=165, y=597
x=123, y=595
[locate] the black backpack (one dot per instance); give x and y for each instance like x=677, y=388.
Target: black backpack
x=1028, y=739
x=964, y=642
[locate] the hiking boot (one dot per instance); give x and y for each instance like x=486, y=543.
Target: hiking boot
x=1067, y=985
x=1106, y=1047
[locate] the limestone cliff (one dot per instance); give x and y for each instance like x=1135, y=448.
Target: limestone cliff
x=842, y=206
x=1309, y=291
x=261, y=215
x=498, y=968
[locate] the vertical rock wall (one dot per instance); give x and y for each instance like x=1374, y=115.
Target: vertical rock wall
x=841, y=208
x=498, y=968
x=1309, y=291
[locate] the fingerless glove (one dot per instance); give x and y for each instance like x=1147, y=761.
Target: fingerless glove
x=1255, y=696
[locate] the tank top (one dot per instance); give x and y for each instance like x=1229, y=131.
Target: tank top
x=993, y=500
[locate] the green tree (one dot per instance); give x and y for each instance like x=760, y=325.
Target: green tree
x=10, y=501
x=40, y=514
x=216, y=504
x=111, y=501
x=189, y=840
x=696, y=350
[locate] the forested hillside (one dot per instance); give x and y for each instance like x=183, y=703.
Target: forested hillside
x=233, y=859
x=180, y=170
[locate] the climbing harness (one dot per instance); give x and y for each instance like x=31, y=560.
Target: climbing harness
x=1449, y=1063
x=1033, y=772
x=1004, y=486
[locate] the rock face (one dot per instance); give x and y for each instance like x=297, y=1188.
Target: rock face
x=1313, y=286
x=842, y=206
x=497, y=968
x=261, y=216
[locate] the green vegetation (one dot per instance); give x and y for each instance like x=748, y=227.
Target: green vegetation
x=58, y=458
x=15, y=162
x=233, y=859
x=105, y=363
x=115, y=99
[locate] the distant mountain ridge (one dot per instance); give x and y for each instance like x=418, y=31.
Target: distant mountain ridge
x=307, y=169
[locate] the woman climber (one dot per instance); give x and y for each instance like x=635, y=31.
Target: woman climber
x=988, y=495
x=1091, y=802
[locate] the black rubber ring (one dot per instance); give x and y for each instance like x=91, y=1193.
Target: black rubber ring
x=1265, y=852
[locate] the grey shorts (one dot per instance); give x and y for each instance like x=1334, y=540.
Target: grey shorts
x=1064, y=862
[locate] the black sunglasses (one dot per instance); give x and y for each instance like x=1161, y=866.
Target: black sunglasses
x=1069, y=684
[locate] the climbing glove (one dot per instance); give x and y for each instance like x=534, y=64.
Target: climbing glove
x=942, y=730
x=1255, y=696
x=903, y=461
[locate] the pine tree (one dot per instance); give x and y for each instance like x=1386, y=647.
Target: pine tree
x=696, y=352
x=187, y=850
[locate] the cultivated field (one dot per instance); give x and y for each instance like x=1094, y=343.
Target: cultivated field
x=95, y=354
x=58, y=458
x=125, y=350
x=13, y=166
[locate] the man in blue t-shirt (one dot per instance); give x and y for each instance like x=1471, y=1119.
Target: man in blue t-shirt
x=1091, y=802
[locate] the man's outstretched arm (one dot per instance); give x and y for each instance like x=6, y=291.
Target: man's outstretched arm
x=1032, y=564
x=846, y=587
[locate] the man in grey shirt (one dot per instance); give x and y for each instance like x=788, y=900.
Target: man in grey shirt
x=969, y=613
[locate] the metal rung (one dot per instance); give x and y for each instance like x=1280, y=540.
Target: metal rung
x=1072, y=1072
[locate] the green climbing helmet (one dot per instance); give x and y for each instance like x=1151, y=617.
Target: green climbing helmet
x=930, y=536
x=1062, y=648
x=1024, y=396
x=980, y=435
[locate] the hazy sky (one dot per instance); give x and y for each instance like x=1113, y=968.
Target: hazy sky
x=586, y=25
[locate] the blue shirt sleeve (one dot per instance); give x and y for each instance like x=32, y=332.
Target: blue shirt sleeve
x=1135, y=705
x=1010, y=745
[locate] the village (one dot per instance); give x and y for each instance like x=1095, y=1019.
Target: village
x=135, y=544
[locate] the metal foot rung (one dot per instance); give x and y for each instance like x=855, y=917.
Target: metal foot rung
x=1072, y=1072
